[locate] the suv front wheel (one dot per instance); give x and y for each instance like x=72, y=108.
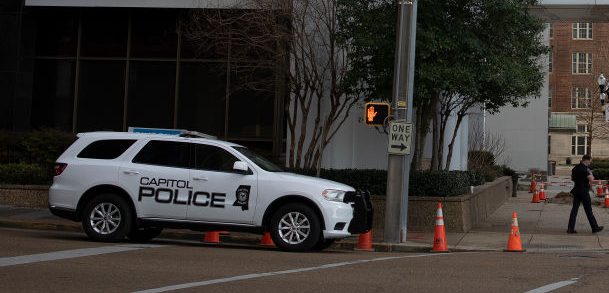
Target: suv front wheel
x=295, y=227
x=107, y=218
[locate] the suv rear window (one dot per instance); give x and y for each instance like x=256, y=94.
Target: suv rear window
x=106, y=149
x=164, y=153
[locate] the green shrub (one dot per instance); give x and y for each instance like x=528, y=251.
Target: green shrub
x=24, y=174
x=507, y=171
x=479, y=159
x=40, y=147
x=422, y=183
x=45, y=146
x=599, y=164
x=372, y=180
x=490, y=173
x=439, y=183
x=476, y=178
x=601, y=173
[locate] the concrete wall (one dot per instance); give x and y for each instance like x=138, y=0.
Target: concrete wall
x=525, y=130
x=461, y=213
x=27, y=196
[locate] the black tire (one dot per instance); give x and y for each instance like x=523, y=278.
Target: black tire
x=294, y=241
x=323, y=244
x=111, y=227
x=144, y=234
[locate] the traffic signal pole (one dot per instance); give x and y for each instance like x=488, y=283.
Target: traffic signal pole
x=398, y=168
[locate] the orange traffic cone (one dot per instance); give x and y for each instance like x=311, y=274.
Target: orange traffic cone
x=267, y=240
x=514, y=243
x=439, y=238
x=212, y=237
x=606, y=199
x=599, y=190
x=535, y=197
x=364, y=242
x=533, y=186
x=542, y=193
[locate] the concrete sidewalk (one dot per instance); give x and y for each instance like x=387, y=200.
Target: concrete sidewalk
x=542, y=226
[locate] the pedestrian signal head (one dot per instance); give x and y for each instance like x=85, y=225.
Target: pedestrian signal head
x=376, y=113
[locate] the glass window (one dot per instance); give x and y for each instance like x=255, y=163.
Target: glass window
x=151, y=94
x=582, y=128
x=104, y=33
x=259, y=160
x=53, y=94
x=10, y=5
x=153, y=34
x=579, y=144
x=551, y=60
x=106, y=149
x=101, y=95
x=213, y=158
x=550, y=93
x=202, y=102
x=8, y=46
x=56, y=33
x=581, y=63
x=582, y=31
x=580, y=98
x=202, y=38
x=251, y=109
x=165, y=153
x=7, y=92
x=551, y=25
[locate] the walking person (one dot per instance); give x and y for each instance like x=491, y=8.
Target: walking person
x=583, y=178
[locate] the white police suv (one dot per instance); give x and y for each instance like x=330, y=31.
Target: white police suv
x=135, y=184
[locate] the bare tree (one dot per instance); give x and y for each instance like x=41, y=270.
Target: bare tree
x=303, y=35
x=480, y=140
x=590, y=112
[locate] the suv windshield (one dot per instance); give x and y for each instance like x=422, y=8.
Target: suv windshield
x=259, y=160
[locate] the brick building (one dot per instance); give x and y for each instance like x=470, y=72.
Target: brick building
x=579, y=53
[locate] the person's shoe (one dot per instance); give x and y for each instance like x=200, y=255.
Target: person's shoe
x=598, y=229
x=571, y=232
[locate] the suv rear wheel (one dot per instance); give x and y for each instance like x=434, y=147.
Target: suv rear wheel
x=295, y=227
x=107, y=218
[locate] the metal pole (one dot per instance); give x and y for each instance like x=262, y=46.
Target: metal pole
x=398, y=169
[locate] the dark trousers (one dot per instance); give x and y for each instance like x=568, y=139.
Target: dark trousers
x=582, y=197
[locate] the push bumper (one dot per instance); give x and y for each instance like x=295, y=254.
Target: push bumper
x=362, y=211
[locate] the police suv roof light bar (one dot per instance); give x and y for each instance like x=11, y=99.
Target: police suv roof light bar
x=177, y=132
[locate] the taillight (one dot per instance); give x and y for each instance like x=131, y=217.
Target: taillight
x=58, y=168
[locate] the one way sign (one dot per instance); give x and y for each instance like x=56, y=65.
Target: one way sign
x=400, y=137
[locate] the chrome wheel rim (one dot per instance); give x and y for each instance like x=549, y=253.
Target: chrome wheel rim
x=105, y=218
x=294, y=228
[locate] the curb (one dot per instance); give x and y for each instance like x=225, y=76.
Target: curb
x=345, y=245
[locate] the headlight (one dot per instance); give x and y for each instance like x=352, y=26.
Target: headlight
x=334, y=195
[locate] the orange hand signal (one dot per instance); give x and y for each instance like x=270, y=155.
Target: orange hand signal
x=371, y=114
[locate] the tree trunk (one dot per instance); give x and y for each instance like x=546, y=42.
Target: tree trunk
x=449, y=156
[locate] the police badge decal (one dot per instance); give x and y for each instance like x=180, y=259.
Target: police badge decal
x=243, y=197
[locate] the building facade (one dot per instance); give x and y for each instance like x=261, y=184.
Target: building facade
x=579, y=54
x=75, y=66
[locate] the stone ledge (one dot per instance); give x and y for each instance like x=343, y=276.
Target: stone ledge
x=461, y=213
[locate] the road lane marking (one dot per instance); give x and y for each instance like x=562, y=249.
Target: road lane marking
x=554, y=286
x=285, y=272
x=66, y=254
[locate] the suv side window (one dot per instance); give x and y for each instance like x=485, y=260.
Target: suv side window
x=164, y=153
x=106, y=149
x=213, y=158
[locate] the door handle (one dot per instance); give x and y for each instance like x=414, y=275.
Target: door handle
x=200, y=178
x=131, y=172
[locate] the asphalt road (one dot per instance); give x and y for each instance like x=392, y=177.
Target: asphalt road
x=43, y=261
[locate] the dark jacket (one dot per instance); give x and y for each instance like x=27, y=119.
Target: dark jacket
x=579, y=175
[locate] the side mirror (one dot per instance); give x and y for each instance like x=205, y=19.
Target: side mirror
x=241, y=167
